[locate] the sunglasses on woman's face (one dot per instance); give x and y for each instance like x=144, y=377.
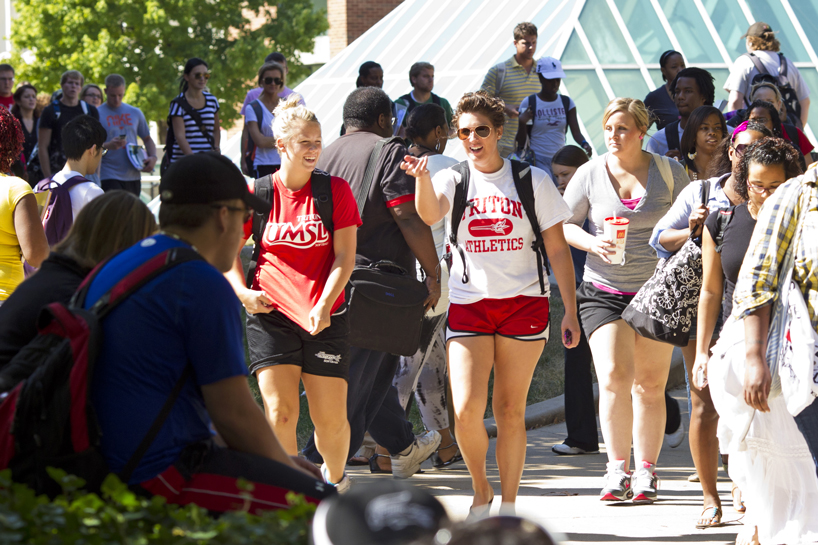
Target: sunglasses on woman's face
x=277, y=81
x=482, y=131
x=202, y=75
x=739, y=149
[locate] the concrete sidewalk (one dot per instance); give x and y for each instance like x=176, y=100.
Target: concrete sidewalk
x=561, y=493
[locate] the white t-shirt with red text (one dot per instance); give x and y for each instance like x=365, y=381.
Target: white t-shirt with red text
x=495, y=234
x=296, y=250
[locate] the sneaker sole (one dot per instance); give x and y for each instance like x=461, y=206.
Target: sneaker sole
x=642, y=498
x=611, y=498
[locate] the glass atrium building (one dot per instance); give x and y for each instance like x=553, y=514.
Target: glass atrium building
x=608, y=48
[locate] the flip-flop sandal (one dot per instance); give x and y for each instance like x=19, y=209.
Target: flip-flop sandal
x=713, y=515
x=738, y=505
x=439, y=464
x=373, y=464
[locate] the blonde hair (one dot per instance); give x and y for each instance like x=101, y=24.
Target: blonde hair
x=765, y=85
x=288, y=114
x=765, y=42
x=634, y=107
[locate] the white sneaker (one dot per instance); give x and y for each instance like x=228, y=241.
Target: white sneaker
x=677, y=437
x=406, y=465
x=645, y=484
x=342, y=486
x=564, y=449
x=617, y=483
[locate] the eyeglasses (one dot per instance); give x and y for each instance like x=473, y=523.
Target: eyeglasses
x=93, y=95
x=739, y=149
x=483, y=131
x=248, y=212
x=202, y=75
x=761, y=189
x=277, y=81
x=104, y=152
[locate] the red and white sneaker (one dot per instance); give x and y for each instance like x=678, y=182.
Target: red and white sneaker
x=645, y=484
x=617, y=483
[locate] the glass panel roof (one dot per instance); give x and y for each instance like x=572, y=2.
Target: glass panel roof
x=772, y=13
x=589, y=96
x=575, y=52
x=687, y=24
x=606, y=39
x=807, y=13
x=627, y=83
x=730, y=24
x=645, y=28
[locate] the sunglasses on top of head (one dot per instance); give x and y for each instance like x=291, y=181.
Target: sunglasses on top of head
x=277, y=81
x=482, y=131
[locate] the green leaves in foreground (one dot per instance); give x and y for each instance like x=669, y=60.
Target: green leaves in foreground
x=119, y=516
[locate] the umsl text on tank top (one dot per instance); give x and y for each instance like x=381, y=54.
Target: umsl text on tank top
x=492, y=234
x=309, y=231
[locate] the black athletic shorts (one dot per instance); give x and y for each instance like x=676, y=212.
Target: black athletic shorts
x=274, y=339
x=598, y=307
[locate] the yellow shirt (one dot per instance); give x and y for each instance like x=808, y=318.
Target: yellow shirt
x=12, y=190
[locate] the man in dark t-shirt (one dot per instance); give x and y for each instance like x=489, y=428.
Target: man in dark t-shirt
x=391, y=230
x=54, y=117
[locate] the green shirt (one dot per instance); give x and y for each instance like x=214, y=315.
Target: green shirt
x=516, y=85
x=403, y=105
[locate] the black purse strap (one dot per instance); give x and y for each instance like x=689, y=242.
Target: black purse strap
x=369, y=173
x=194, y=115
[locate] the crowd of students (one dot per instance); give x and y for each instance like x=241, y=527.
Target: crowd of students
x=384, y=192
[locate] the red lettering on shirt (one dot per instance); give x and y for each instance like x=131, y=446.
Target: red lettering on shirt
x=119, y=120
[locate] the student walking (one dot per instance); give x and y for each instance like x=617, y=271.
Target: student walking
x=632, y=370
x=194, y=114
x=296, y=324
x=498, y=312
x=259, y=120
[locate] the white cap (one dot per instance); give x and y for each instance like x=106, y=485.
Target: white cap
x=550, y=68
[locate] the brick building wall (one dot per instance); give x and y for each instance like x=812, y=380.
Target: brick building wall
x=348, y=19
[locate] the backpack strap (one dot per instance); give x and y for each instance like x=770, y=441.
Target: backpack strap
x=566, y=105
x=525, y=190
x=56, y=104
x=84, y=106
x=532, y=105
x=256, y=105
x=322, y=198
x=369, y=174
x=663, y=164
x=782, y=67
x=263, y=189
x=461, y=202
x=500, y=79
x=722, y=221
x=672, y=135
x=435, y=99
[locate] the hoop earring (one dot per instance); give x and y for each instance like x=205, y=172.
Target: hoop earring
x=692, y=156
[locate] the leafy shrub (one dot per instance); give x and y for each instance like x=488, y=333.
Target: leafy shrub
x=121, y=517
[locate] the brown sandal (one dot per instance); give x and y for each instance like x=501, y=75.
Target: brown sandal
x=738, y=505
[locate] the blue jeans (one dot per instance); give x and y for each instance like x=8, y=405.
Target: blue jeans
x=807, y=421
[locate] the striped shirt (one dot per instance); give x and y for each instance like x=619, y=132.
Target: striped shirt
x=516, y=85
x=197, y=141
x=758, y=281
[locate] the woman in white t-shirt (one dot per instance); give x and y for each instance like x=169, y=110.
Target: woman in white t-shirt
x=498, y=313
x=271, y=81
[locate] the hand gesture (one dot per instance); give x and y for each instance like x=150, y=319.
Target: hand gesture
x=319, y=318
x=603, y=247
x=526, y=116
x=414, y=166
x=256, y=302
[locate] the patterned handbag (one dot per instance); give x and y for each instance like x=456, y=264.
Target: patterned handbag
x=664, y=309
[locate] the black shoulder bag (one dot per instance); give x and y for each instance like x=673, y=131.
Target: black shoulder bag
x=385, y=300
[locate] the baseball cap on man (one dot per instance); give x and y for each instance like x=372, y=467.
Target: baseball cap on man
x=203, y=178
x=383, y=513
x=757, y=29
x=550, y=68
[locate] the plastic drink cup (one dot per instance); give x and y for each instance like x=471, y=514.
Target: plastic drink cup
x=616, y=230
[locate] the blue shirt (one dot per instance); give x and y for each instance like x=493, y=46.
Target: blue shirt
x=125, y=120
x=688, y=199
x=189, y=314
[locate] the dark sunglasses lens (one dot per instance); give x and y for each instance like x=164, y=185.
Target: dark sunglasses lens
x=463, y=133
x=740, y=149
x=483, y=131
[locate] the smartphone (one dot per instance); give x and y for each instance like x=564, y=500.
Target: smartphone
x=568, y=337
x=701, y=378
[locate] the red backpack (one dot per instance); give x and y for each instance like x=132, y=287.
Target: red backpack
x=47, y=420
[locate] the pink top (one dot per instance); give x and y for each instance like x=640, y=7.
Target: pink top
x=630, y=204
x=611, y=290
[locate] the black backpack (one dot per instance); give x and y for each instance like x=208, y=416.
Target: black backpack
x=250, y=150
x=263, y=189
x=412, y=104
x=525, y=190
x=672, y=135
x=532, y=105
x=788, y=94
x=47, y=420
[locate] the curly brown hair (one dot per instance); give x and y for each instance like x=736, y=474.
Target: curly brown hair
x=11, y=140
x=767, y=151
x=484, y=104
x=765, y=42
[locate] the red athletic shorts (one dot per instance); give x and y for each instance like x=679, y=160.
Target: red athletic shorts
x=524, y=318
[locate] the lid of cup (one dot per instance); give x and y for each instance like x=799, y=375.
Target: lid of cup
x=617, y=221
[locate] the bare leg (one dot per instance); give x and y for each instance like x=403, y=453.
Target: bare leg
x=513, y=370
x=470, y=363
x=279, y=392
x=327, y=397
x=651, y=366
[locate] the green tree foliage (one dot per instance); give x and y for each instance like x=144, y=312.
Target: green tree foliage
x=148, y=42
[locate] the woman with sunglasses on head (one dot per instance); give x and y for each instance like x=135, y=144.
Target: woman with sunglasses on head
x=498, y=314
x=297, y=328
x=632, y=370
x=763, y=166
x=685, y=216
x=766, y=114
x=271, y=81
x=194, y=114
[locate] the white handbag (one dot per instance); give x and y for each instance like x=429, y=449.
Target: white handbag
x=797, y=361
